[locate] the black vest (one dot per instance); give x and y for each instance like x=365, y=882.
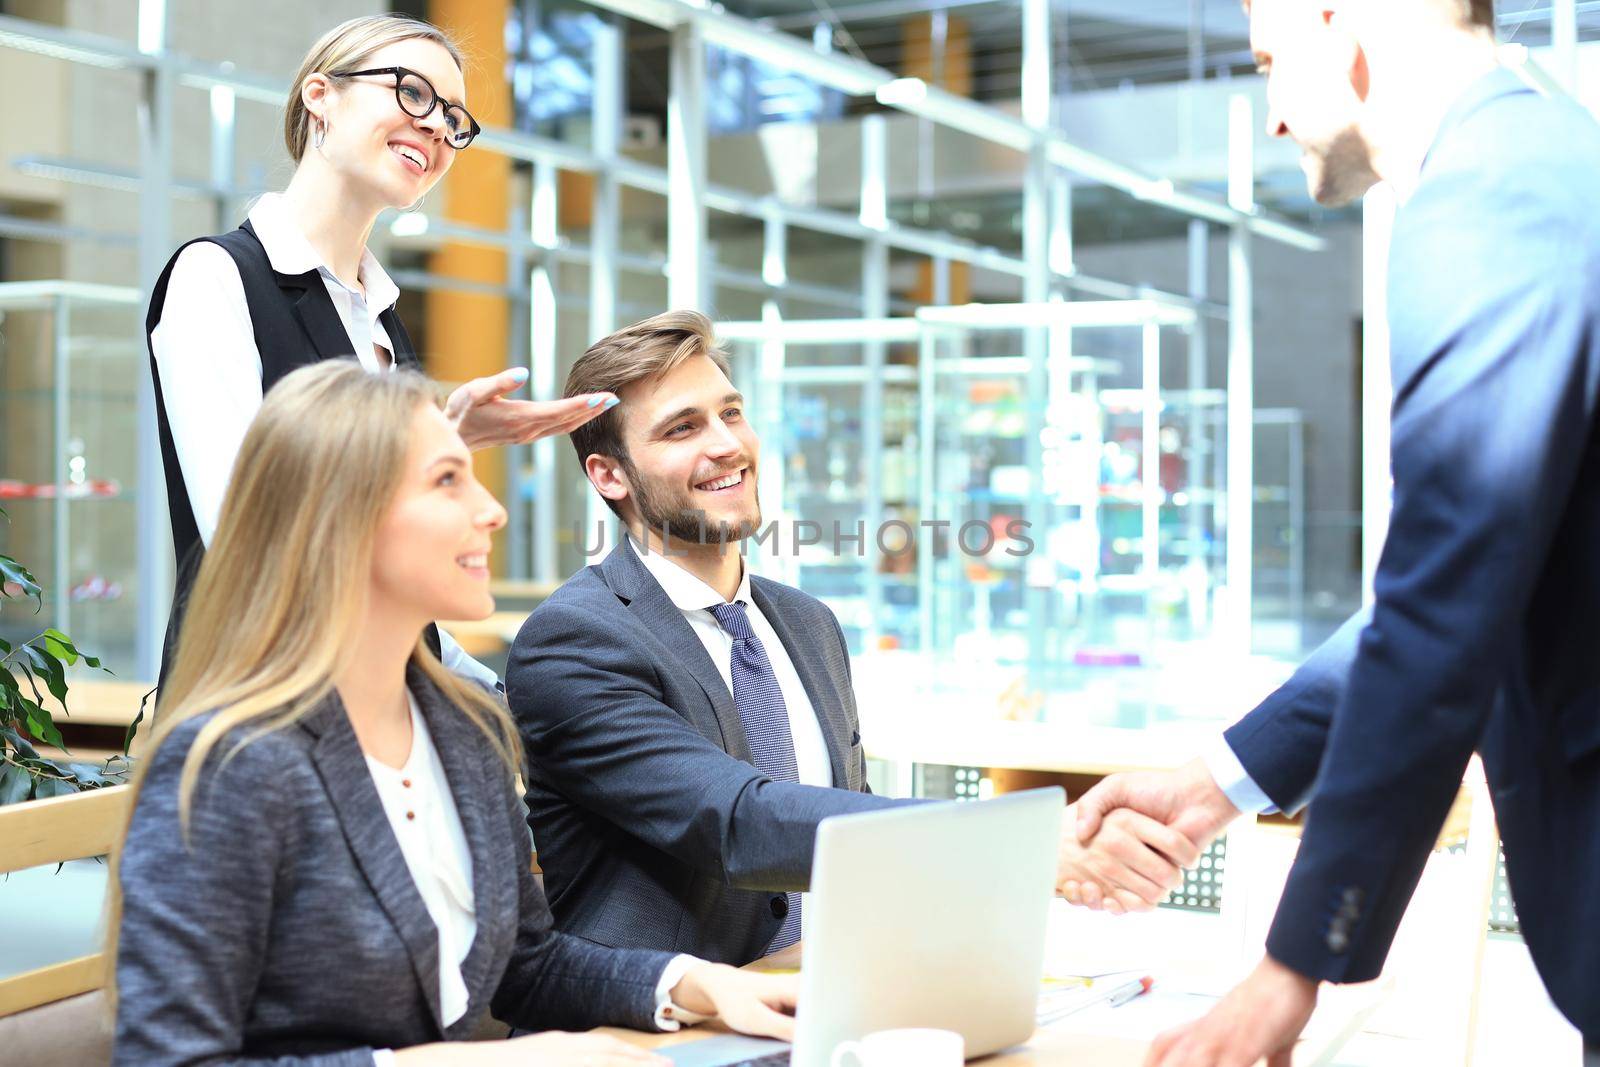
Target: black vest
x=295, y=324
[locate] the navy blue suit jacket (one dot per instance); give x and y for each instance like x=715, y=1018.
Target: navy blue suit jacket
x=654, y=828
x=1485, y=629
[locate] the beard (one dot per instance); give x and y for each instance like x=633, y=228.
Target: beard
x=1341, y=171
x=671, y=514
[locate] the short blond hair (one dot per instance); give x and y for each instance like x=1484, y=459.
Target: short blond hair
x=645, y=350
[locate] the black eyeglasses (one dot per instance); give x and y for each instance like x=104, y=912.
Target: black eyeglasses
x=417, y=97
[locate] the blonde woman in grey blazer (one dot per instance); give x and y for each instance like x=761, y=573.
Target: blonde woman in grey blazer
x=326, y=862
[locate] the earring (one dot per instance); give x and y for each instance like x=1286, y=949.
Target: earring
x=317, y=136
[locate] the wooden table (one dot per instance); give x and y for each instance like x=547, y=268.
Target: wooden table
x=1341, y=1011
x=1047, y=1048
x=1056, y=1046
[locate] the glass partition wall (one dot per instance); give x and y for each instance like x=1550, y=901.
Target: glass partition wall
x=70, y=359
x=835, y=404
x=1016, y=510
x=1084, y=543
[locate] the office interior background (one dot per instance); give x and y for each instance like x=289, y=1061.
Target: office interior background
x=1079, y=399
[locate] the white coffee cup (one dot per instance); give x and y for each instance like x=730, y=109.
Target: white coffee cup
x=903, y=1048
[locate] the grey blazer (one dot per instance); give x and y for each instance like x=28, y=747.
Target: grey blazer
x=654, y=828
x=290, y=931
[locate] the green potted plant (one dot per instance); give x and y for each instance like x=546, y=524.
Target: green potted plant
x=28, y=671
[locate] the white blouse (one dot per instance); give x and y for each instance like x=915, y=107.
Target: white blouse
x=416, y=797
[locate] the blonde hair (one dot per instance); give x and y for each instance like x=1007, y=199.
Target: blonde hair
x=343, y=48
x=271, y=619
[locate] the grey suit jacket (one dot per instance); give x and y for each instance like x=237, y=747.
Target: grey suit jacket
x=654, y=827
x=290, y=931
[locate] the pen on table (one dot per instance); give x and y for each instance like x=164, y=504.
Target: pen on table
x=1115, y=996
x=1124, y=993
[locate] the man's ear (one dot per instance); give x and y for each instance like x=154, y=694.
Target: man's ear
x=1343, y=26
x=1360, y=75
x=605, y=473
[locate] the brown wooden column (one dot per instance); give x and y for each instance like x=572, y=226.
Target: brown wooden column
x=468, y=334
x=950, y=69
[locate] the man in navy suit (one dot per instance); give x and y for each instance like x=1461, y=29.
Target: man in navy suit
x=688, y=724
x=1485, y=629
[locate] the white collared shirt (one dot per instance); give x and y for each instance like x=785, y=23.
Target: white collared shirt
x=695, y=598
x=205, y=348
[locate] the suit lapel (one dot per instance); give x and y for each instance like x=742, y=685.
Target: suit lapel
x=315, y=311
x=478, y=790
x=405, y=353
x=650, y=604
x=819, y=687
x=343, y=770
x=317, y=315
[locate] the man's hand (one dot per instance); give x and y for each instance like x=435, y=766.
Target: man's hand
x=485, y=417
x=1187, y=800
x=747, y=1002
x=1133, y=861
x=1261, y=1018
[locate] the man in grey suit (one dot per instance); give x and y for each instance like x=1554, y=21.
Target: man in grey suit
x=687, y=724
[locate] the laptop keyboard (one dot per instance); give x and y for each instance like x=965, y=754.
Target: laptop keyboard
x=777, y=1059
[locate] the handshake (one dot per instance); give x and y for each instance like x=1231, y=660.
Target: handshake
x=1127, y=841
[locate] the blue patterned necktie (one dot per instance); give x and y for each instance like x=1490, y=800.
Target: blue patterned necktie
x=765, y=719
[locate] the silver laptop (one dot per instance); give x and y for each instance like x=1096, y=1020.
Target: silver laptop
x=932, y=915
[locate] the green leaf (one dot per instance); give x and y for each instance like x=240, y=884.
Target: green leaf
x=52, y=787
x=15, y=784
x=26, y=664
x=55, y=676
x=19, y=744
x=60, y=646
x=87, y=774
x=15, y=573
x=41, y=726
x=133, y=727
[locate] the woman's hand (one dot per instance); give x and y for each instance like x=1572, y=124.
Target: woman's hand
x=484, y=416
x=552, y=1049
x=746, y=1001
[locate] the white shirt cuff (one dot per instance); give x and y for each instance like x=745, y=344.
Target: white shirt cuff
x=382, y=1057
x=670, y=1016
x=1234, y=781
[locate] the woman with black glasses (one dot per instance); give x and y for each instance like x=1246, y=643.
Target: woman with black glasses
x=374, y=119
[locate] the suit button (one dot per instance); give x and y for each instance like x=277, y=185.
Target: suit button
x=780, y=907
x=1338, y=942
